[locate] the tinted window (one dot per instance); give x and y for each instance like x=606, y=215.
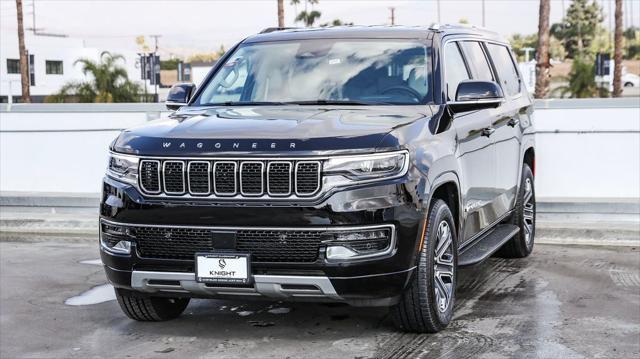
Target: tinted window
x=373, y=72
x=477, y=60
x=506, y=69
x=53, y=67
x=455, y=70
x=13, y=66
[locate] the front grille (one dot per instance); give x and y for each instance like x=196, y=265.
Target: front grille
x=251, y=178
x=263, y=245
x=150, y=176
x=248, y=178
x=173, y=172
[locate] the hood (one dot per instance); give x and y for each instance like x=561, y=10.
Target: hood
x=211, y=131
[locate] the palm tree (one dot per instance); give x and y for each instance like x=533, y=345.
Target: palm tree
x=542, y=55
x=280, y=13
x=617, y=53
x=108, y=82
x=24, y=67
x=308, y=18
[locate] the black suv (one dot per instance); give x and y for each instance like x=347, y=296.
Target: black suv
x=361, y=165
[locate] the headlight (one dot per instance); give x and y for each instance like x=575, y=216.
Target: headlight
x=368, y=167
x=123, y=168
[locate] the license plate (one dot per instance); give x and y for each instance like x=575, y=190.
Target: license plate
x=222, y=268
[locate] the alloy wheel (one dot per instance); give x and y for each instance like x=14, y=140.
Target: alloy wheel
x=443, y=269
x=528, y=212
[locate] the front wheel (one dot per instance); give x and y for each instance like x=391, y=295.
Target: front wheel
x=427, y=305
x=150, y=309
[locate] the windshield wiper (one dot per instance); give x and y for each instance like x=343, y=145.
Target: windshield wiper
x=333, y=102
x=243, y=103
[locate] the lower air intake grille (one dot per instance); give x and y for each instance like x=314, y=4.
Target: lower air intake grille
x=263, y=245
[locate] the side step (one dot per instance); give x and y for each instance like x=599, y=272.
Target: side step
x=484, y=247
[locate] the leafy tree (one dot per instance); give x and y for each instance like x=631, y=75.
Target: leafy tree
x=336, y=22
x=208, y=57
x=581, y=81
x=579, y=27
x=108, y=82
x=632, y=43
x=519, y=42
x=171, y=64
x=308, y=17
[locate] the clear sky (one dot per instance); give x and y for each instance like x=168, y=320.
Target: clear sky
x=189, y=26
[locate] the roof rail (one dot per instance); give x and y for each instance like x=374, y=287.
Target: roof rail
x=272, y=29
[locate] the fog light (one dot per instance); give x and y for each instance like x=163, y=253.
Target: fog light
x=359, y=244
x=340, y=252
x=115, y=239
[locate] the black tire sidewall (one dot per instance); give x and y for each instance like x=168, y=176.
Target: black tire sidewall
x=522, y=245
x=439, y=212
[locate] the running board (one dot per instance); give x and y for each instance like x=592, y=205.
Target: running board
x=487, y=245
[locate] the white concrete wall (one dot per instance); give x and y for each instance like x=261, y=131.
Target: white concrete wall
x=586, y=149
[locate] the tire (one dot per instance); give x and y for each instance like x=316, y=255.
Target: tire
x=150, y=309
x=628, y=84
x=427, y=304
x=524, y=217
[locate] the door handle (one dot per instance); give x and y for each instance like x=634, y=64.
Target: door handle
x=488, y=131
x=513, y=122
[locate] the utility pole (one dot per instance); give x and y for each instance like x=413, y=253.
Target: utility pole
x=393, y=15
x=24, y=66
x=33, y=15
x=483, y=16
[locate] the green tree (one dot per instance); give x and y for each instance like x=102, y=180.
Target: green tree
x=108, y=82
x=308, y=17
x=581, y=82
x=519, y=42
x=579, y=27
x=336, y=22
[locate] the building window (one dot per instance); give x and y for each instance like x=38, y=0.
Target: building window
x=53, y=67
x=13, y=66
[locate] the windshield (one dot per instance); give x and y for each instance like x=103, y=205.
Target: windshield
x=323, y=71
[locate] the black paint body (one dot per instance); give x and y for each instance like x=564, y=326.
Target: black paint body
x=450, y=152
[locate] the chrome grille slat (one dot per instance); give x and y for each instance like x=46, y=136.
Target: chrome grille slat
x=219, y=178
x=251, y=178
x=198, y=177
x=173, y=177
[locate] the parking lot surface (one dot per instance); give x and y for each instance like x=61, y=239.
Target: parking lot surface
x=562, y=302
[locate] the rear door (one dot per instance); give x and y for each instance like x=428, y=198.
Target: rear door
x=474, y=152
x=508, y=134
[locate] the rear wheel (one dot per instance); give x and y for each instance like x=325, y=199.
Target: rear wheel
x=524, y=217
x=150, y=309
x=427, y=305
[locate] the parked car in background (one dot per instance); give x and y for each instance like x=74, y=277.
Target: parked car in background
x=361, y=165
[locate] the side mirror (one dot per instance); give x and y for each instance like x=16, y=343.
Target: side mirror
x=472, y=95
x=179, y=95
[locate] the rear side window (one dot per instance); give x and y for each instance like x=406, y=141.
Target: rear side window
x=505, y=68
x=455, y=70
x=477, y=60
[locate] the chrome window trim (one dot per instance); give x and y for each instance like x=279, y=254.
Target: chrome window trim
x=235, y=179
x=318, y=176
x=140, y=177
x=184, y=184
x=261, y=179
x=208, y=178
x=290, y=163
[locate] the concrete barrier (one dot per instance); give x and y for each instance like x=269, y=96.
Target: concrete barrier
x=588, y=151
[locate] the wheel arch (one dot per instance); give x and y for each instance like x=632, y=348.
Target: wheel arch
x=529, y=158
x=447, y=188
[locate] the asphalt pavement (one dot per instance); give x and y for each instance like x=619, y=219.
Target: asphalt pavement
x=562, y=302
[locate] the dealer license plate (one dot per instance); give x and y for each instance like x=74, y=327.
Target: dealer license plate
x=222, y=268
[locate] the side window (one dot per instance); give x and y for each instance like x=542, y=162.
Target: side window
x=455, y=70
x=477, y=60
x=505, y=68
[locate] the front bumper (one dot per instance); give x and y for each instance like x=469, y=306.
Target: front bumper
x=368, y=281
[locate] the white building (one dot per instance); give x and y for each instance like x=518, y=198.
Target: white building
x=53, y=66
